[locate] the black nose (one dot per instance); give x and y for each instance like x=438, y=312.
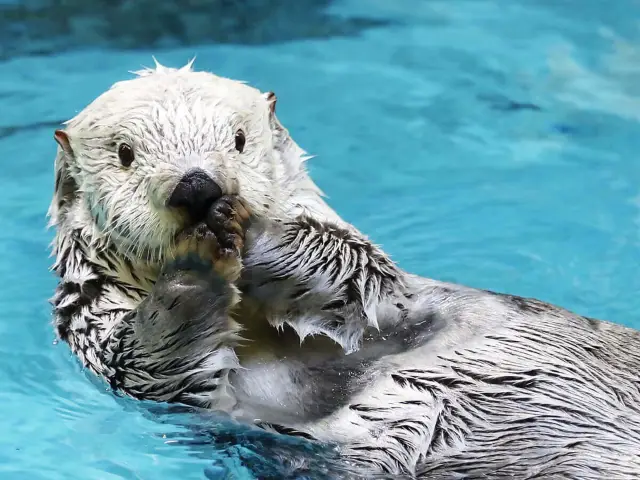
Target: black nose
x=195, y=192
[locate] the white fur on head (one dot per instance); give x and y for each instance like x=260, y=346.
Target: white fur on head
x=175, y=120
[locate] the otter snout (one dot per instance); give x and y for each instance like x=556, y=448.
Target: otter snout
x=195, y=192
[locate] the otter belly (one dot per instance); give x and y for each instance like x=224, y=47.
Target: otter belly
x=504, y=395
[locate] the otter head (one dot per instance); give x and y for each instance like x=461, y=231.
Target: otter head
x=148, y=157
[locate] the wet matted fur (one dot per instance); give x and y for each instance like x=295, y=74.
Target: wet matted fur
x=408, y=375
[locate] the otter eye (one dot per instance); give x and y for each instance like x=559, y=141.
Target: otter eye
x=240, y=141
x=125, y=153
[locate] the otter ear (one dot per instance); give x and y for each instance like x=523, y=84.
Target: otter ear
x=290, y=153
x=281, y=136
x=271, y=100
x=65, y=186
x=62, y=139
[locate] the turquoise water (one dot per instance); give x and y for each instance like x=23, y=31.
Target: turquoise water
x=491, y=143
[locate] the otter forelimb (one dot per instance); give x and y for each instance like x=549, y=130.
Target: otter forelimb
x=177, y=344
x=320, y=278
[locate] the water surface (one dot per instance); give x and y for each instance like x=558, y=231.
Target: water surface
x=491, y=143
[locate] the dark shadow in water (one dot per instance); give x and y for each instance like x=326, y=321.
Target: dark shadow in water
x=503, y=103
x=227, y=444
x=43, y=27
x=10, y=130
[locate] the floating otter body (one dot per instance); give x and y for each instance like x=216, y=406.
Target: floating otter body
x=199, y=264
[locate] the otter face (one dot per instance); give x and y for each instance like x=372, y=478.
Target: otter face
x=149, y=156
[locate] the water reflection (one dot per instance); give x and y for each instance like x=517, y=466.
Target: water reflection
x=52, y=26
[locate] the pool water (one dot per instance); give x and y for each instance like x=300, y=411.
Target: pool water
x=490, y=143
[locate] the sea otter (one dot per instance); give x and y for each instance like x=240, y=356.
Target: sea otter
x=200, y=264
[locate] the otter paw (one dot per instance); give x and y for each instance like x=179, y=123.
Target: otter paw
x=227, y=219
x=217, y=242
x=195, y=249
